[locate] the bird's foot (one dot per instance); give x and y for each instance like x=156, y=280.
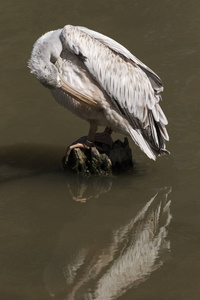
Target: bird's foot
x=80, y=143
x=102, y=141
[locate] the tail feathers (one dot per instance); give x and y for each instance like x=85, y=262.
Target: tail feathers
x=146, y=147
x=142, y=143
x=164, y=152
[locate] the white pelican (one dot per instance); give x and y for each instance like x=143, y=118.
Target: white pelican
x=100, y=81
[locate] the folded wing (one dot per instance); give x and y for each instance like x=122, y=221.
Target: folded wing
x=132, y=86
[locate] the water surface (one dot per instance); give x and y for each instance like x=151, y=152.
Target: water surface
x=133, y=236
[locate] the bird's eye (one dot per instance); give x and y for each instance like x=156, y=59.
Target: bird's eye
x=53, y=59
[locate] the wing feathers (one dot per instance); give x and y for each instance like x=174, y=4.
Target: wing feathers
x=142, y=143
x=131, y=85
x=118, y=48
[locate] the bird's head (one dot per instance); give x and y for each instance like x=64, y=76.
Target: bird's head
x=45, y=53
x=48, y=75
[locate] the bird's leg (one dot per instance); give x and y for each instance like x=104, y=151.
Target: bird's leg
x=84, y=142
x=91, y=135
x=104, y=137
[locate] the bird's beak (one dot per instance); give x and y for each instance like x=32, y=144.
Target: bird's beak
x=84, y=99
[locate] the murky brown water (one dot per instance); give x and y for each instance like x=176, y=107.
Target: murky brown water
x=112, y=238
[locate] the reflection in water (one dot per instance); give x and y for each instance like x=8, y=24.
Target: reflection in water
x=134, y=251
x=83, y=188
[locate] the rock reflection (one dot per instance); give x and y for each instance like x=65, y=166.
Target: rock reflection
x=134, y=251
x=85, y=188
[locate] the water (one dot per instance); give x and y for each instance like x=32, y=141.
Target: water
x=66, y=237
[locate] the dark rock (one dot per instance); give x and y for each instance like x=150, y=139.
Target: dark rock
x=93, y=162
x=121, y=156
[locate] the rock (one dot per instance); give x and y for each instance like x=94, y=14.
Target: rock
x=121, y=156
x=92, y=162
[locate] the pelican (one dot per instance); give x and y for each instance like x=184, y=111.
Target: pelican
x=100, y=81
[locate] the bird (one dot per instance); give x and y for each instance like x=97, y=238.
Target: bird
x=101, y=81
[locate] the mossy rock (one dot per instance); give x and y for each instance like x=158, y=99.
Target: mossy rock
x=93, y=162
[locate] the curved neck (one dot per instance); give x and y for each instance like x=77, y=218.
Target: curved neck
x=46, y=50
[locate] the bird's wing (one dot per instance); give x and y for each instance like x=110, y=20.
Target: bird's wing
x=123, y=80
x=118, y=48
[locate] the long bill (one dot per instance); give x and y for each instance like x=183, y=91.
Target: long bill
x=83, y=99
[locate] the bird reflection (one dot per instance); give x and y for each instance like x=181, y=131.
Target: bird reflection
x=133, y=252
